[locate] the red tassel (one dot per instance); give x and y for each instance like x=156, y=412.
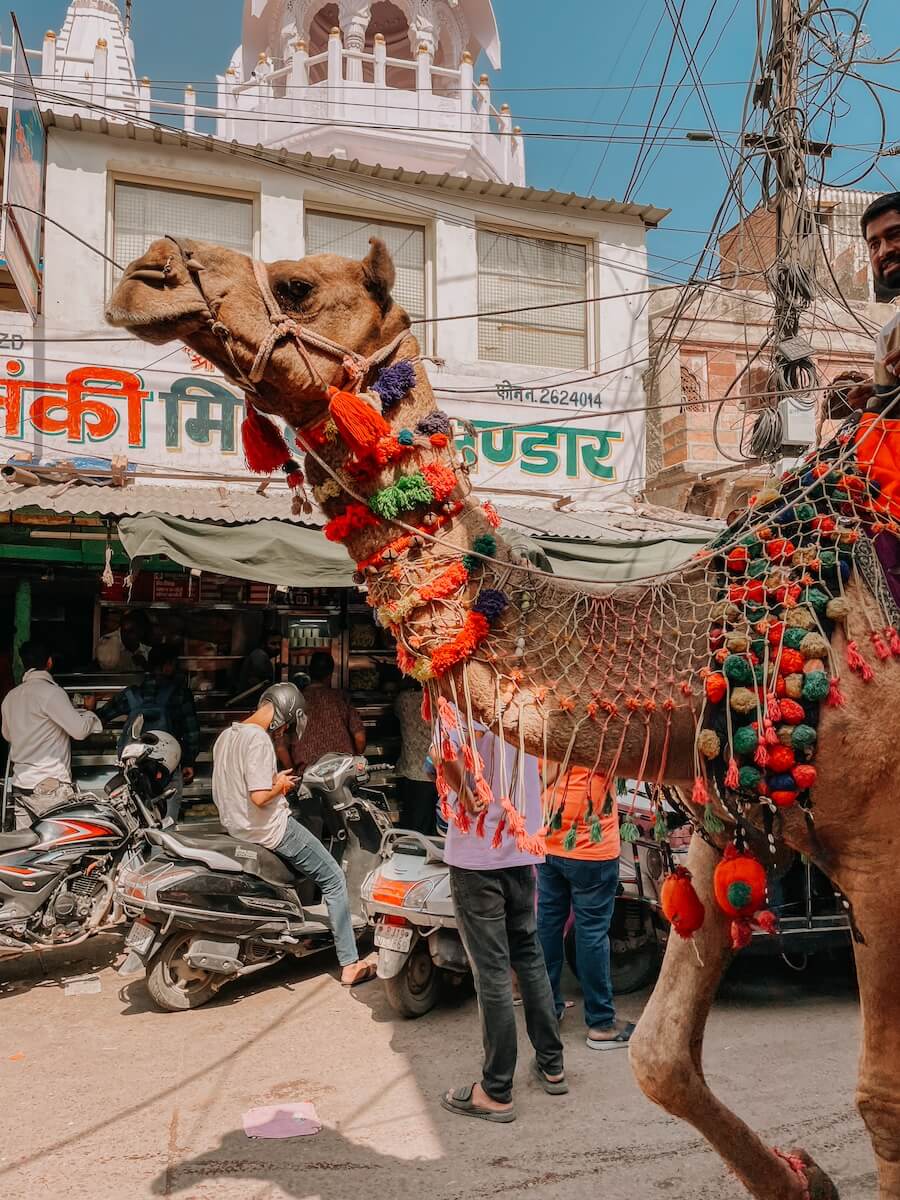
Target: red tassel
x=857, y=663
x=483, y=792
x=732, y=779
x=773, y=709
x=893, y=638
x=766, y=921
x=881, y=646
x=761, y=757
x=426, y=708
x=447, y=713
x=295, y=479
x=700, y=794
x=835, y=695
x=497, y=839
x=479, y=824
x=265, y=450
x=358, y=424
x=461, y=819
x=770, y=736
x=468, y=758
x=448, y=751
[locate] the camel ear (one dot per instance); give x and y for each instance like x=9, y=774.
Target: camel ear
x=378, y=272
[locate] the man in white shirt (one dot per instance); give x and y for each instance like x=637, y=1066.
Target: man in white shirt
x=39, y=721
x=126, y=648
x=249, y=792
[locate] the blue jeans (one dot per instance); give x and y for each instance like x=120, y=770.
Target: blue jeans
x=588, y=887
x=304, y=852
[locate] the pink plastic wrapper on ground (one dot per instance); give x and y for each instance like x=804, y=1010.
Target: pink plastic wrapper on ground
x=281, y=1121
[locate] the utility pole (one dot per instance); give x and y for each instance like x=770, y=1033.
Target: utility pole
x=788, y=156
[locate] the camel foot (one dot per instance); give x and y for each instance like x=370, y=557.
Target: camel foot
x=818, y=1184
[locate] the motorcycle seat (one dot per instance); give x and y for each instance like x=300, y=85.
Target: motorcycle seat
x=224, y=853
x=21, y=839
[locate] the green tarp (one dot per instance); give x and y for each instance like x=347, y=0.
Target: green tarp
x=299, y=556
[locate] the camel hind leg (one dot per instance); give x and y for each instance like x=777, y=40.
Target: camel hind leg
x=666, y=1053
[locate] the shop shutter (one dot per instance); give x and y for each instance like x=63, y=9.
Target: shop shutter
x=518, y=272
x=329, y=233
x=143, y=214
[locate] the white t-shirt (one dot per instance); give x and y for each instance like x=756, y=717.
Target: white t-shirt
x=244, y=762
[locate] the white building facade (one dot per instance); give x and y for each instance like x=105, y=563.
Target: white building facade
x=331, y=124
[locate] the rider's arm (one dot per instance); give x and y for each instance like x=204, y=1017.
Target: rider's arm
x=283, y=782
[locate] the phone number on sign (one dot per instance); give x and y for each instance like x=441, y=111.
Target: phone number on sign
x=545, y=395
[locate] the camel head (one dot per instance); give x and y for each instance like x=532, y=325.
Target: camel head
x=172, y=290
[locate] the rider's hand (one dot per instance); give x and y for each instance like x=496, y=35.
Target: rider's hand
x=283, y=782
x=891, y=363
x=470, y=801
x=187, y=774
x=90, y=702
x=860, y=395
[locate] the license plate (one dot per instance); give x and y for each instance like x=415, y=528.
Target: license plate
x=140, y=937
x=393, y=937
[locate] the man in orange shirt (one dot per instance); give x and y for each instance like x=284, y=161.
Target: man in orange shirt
x=581, y=873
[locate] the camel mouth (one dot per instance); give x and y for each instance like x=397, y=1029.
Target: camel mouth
x=155, y=297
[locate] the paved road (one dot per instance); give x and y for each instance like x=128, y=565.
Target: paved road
x=103, y=1097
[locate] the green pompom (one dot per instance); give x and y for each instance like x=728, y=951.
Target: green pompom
x=737, y=669
x=828, y=560
x=759, y=673
x=745, y=740
x=793, y=638
x=748, y=778
x=628, y=831
x=816, y=599
x=757, y=568
x=711, y=822
x=755, y=612
x=739, y=894
x=485, y=543
x=803, y=737
x=758, y=646
x=754, y=546
x=815, y=685
x=804, y=512
x=839, y=496
x=569, y=839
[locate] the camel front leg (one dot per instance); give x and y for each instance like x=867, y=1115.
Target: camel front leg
x=666, y=1053
x=878, y=1090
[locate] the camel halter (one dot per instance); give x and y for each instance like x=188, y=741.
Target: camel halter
x=281, y=328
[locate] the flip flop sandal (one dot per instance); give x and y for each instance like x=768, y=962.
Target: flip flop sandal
x=553, y=1088
x=366, y=976
x=622, y=1038
x=460, y=1102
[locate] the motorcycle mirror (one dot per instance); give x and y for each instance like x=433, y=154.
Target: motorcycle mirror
x=137, y=726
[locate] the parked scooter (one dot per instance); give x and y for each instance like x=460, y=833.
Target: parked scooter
x=57, y=879
x=211, y=909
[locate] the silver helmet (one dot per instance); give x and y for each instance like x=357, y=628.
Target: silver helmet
x=288, y=705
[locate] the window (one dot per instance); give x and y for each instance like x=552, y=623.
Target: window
x=143, y=214
x=332, y=233
x=518, y=273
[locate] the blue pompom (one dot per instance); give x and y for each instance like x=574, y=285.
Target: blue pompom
x=394, y=382
x=490, y=602
x=781, y=783
x=787, y=516
x=844, y=568
x=405, y=437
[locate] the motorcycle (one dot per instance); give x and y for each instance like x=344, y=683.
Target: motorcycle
x=210, y=909
x=58, y=878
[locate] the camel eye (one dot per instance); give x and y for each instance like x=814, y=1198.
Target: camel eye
x=295, y=291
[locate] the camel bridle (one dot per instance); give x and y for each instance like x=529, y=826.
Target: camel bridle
x=281, y=328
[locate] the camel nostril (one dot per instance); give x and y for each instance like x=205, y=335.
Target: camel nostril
x=149, y=274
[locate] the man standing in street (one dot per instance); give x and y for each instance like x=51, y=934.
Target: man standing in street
x=581, y=873
x=166, y=703
x=249, y=792
x=39, y=721
x=493, y=896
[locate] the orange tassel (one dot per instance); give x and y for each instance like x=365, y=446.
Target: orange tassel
x=497, y=839
x=479, y=824
x=447, y=713
x=731, y=775
x=835, y=695
x=358, y=424
x=700, y=794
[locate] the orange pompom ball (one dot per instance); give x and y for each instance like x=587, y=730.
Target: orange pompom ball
x=716, y=687
x=804, y=776
x=780, y=687
x=791, y=662
x=791, y=712
x=737, y=559
x=780, y=549
x=776, y=633
x=783, y=799
x=781, y=759
x=681, y=905
x=739, y=883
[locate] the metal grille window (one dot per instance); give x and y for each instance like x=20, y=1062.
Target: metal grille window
x=143, y=214
x=520, y=272
x=329, y=233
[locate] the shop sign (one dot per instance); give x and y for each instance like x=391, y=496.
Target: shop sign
x=176, y=422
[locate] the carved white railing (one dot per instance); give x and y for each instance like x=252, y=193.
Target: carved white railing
x=441, y=104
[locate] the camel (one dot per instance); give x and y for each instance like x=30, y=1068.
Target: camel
x=609, y=677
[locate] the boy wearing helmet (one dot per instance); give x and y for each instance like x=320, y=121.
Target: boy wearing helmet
x=249, y=792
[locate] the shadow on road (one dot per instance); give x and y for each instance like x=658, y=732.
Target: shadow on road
x=52, y=968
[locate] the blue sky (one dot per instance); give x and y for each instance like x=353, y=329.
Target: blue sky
x=552, y=75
